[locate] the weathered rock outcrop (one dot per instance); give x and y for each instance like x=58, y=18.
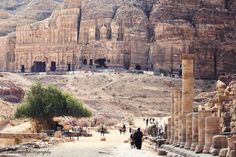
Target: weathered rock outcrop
x=10, y=92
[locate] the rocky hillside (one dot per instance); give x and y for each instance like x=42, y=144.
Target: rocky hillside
x=20, y=12
x=11, y=93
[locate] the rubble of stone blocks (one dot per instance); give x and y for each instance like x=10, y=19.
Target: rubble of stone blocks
x=211, y=129
x=224, y=103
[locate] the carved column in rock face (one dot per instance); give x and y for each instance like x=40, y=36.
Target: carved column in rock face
x=176, y=117
x=194, y=131
x=188, y=131
x=201, y=130
x=172, y=117
x=212, y=125
x=169, y=130
x=187, y=92
x=180, y=116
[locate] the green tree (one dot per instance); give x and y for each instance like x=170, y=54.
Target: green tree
x=43, y=103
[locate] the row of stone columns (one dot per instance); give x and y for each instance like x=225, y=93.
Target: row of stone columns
x=181, y=105
x=190, y=130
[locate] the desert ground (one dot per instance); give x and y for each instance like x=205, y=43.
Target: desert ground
x=119, y=97
x=114, y=98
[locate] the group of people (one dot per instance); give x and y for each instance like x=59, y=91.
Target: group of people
x=136, y=138
x=149, y=121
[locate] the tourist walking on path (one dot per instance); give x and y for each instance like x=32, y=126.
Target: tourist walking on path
x=138, y=138
x=102, y=131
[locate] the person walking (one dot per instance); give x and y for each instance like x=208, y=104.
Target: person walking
x=102, y=131
x=124, y=129
x=138, y=138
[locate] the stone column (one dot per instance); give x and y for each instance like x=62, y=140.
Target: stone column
x=234, y=149
x=212, y=125
x=176, y=117
x=180, y=116
x=188, y=131
x=172, y=117
x=201, y=130
x=187, y=92
x=194, y=131
x=169, y=130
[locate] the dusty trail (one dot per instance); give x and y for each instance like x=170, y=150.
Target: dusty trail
x=93, y=147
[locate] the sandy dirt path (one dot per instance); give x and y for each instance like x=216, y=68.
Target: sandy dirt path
x=114, y=146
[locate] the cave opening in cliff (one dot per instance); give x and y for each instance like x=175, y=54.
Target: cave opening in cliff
x=68, y=67
x=22, y=68
x=101, y=62
x=53, y=66
x=38, y=67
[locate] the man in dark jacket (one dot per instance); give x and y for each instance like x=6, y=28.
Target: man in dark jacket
x=138, y=137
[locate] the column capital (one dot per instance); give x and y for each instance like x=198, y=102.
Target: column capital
x=187, y=57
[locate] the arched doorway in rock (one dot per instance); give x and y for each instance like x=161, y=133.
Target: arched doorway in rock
x=53, y=66
x=91, y=62
x=22, y=69
x=68, y=67
x=101, y=62
x=38, y=66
